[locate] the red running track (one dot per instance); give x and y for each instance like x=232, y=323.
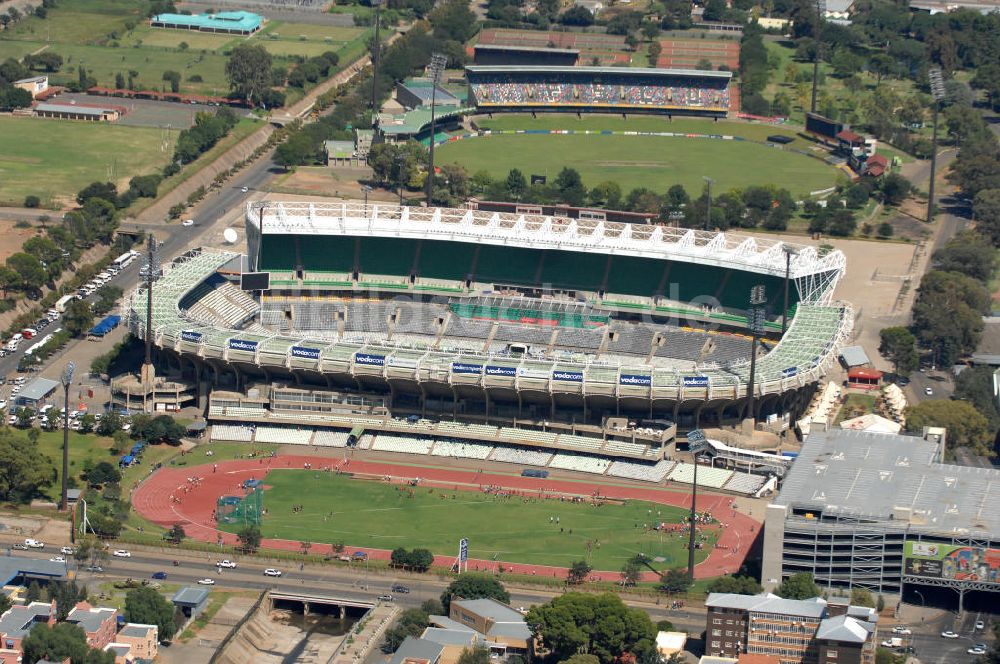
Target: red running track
x=168, y=497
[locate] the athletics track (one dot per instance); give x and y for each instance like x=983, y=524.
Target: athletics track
x=168, y=497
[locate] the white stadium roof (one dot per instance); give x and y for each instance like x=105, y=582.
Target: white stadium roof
x=816, y=275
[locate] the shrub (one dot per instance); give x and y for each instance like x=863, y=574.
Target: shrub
x=32, y=201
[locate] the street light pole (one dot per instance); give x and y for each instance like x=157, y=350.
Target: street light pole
x=820, y=10
x=789, y=252
x=937, y=91
x=434, y=69
x=376, y=48
x=694, y=512
x=67, y=380
x=708, y=209
x=756, y=321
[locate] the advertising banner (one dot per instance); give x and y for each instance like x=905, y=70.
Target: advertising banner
x=501, y=371
x=371, y=360
x=193, y=337
x=631, y=379
x=462, y=368
x=306, y=353
x=243, y=344
x=946, y=561
x=695, y=381
x=571, y=376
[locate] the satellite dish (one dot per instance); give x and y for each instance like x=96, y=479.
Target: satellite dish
x=230, y=236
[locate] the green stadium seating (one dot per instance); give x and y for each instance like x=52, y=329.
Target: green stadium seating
x=327, y=254
x=510, y=265
x=634, y=276
x=278, y=253
x=388, y=256
x=565, y=269
x=445, y=260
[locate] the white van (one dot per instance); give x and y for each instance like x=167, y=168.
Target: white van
x=44, y=409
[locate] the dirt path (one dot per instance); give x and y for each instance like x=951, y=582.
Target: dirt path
x=168, y=498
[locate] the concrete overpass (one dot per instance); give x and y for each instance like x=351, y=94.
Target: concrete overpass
x=312, y=603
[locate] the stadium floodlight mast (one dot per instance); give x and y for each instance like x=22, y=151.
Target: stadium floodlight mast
x=152, y=268
x=789, y=252
x=938, y=93
x=820, y=12
x=708, y=208
x=758, y=298
x=376, y=47
x=434, y=69
x=66, y=379
x=365, y=188
x=696, y=445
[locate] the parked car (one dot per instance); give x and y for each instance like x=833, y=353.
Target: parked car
x=928, y=391
x=121, y=553
x=270, y=571
x=20, y=547
x=902, y=629
x=68, y=550
x=206, y=582
x=979, y=623
x=228, y=564
x=948, y=634
x=187, y=222
x=976, y=650
x=34, y=544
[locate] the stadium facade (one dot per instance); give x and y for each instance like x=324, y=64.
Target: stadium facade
x=479, y=315
x=882, y=512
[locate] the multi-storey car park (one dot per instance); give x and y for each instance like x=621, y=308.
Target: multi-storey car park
x=882, y=512
x=523, y=322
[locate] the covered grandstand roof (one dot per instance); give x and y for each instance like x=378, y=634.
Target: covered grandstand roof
x=807, y=348
x=598, y=71
x=727, y=250
x=892, y=478
x=525, y=49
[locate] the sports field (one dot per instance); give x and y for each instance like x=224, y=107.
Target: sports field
x=52, y=158
x=653, y=162
x=373, y=514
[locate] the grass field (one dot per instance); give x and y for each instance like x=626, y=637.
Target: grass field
x=385, y=516
x=53, y=158
x=642, y=161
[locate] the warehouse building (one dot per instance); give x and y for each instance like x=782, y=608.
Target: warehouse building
x=880, y=511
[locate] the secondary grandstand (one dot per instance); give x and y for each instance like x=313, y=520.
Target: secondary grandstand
x=615, y=89
x=543, y=325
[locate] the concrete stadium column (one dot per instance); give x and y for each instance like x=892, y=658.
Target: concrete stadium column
x=305, y=609
x=774, y=544
x=343, y=612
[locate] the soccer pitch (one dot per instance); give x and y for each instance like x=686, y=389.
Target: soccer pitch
x=654, y=162
x=518, y=529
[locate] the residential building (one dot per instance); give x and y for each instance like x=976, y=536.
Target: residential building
x=36, y=85
x=16, y=623
x=812, y=631
x=503, y=628
x=99, y=623
x=122, y=651
x=144, y=640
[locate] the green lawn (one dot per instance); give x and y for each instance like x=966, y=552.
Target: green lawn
x=80, y=22
x=387, y=516
x=654, y=162
x=53, y=158
x=81, y=447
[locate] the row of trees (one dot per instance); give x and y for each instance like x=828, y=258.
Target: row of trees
x=418, y=560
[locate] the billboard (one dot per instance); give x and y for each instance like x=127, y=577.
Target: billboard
x=189, y=335
x=463, y=368
x=817, y=124
x=947, y=561
x=243, y=344
x=501, y=371
x=571, y=376
x=695, y=381
x=371, y=360
x=304, y=352
x=632, y=379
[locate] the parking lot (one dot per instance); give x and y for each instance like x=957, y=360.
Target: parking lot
x=144, y=112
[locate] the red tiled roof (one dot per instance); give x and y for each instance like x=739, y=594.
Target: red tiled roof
x=864, y=372
x=850, y=136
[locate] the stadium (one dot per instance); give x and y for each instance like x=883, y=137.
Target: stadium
x=599, y=89
x=556, y=328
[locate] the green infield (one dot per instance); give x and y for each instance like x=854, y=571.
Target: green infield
x=53, y=158
x=654, y=162
x=335, y=508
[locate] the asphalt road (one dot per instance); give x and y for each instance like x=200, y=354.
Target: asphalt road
x=932, y=648
x=354, y=582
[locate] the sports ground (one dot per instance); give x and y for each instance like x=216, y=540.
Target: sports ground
x=653, y=162
x=378, y=515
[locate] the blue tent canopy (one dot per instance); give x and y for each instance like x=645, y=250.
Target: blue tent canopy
x=127, y=460
x=109, y=323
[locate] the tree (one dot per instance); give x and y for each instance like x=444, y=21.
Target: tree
x=798, y=586
x=600, y=625
x=103, y=473
x=975, y=385
x=739, y=585
x=967, y=253
x=146, y=605
x=899, y=346
x=474, y=586
x=516, y=184
x=675, y=581
x=986, y=211
x=581, y=658
x=631, y=571
x=103, y=190
x=948, y=314
x=174, y=78
x=607, y=194
x=109, y=424
x=578, y=572
x=5, y=603
x=895, y=188
x=576, y=15
x=32, y=275
x=570, y=186
x=176, y=534
x=24, y=471
x=304, y=547
x=79, y=318
x=474, y=655
x=249, y=537
x=862, y=597
x=248, y=71
x=653, y=54
x=11, y=98
x=966, y=426
x=59, y=642
x=715, y=10
x=411, y=622
x=66, y=594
